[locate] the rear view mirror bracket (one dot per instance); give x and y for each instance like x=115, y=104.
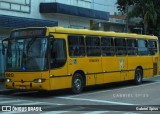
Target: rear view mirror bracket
x=4, y=45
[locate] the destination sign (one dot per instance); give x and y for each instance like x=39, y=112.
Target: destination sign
x=29, y=33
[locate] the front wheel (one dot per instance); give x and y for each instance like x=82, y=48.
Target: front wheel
x=77, y=83
x=138, y=76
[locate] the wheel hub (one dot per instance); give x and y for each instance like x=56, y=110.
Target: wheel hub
x=77, y=84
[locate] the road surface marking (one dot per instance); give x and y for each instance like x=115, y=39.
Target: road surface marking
x=12, y=101
x=31, y=103
x=7, y=112
x=94, y=100
x=131, y=113
x=4, y=98
x=91, y=93
x=65, y=110
x=42, y=103
x=54, y=112
x=27, y=92
x=97, y=112
x=2, y=90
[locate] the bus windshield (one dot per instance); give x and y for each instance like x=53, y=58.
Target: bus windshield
x=28, y=54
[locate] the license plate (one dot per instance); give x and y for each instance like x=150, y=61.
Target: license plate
x=22, y=87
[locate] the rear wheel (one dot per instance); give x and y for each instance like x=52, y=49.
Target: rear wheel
x=138, y=76
x=77, y=83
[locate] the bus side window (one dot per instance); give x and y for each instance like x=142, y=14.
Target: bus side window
x=76, y=45
x=93, y=46
x=132, y=46
x=58, y=53
x=107, y=46
x=120, y=46
x=152, y=47
x=142, y=47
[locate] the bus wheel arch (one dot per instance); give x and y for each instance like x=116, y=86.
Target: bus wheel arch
x=138, y=75
x=78, y=82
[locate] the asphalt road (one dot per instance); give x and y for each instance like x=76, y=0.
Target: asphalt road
x=116, y=98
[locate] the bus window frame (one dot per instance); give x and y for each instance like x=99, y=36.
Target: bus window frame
x=73, y=56
x=89, y=36
x=19, y=38
x=136, y=48
x=49, y=52
x=107, y=37
x=125, y=47
x=156, y=48
x=146, y=40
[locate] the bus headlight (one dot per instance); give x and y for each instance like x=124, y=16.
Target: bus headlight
x=39, y=80
x=8, y=80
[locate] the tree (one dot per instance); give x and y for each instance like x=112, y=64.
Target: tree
x=145, y=9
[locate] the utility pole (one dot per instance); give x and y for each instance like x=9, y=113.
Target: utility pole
x=126, y=26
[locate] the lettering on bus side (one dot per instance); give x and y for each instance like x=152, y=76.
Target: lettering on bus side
x=93, y=60
x=9, y=75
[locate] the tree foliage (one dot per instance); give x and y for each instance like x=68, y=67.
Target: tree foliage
x=148, y=10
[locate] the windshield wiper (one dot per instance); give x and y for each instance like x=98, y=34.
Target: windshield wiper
x=26, y=56
x=30, y=44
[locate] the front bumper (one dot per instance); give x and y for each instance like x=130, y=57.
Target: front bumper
x=27, y=85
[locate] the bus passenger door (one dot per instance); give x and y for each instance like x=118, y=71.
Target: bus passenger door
x=58, y=65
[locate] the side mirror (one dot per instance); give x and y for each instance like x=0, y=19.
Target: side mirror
x=3, y=49
x=4, y=45
x=51, y=36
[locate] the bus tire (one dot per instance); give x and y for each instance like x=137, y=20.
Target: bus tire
x=138, y=76
x=77, y=83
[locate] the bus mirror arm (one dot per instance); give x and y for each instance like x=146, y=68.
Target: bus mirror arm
x=51, y=36
x=3, y=46
x=3, y=49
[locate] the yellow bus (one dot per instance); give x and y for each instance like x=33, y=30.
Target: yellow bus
x=53, y=58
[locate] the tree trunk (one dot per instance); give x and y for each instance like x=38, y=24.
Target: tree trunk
x=145, y=27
